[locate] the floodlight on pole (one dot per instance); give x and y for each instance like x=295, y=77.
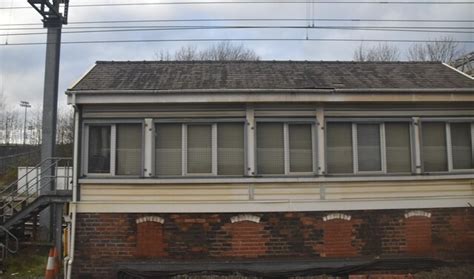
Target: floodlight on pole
x=26, y=105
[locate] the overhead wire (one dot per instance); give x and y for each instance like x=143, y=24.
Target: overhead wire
x=243, y=26
x=184, y=28
x=253, y=19
x=241, y=40
x=256, y=2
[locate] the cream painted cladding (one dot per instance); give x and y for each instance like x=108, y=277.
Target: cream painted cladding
x=250, y=192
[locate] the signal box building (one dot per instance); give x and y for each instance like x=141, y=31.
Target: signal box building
x=271, y=168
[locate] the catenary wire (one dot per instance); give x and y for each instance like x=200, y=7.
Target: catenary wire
x=255, y=19
x=241, y=40
x=184, y=28
x=256, y=2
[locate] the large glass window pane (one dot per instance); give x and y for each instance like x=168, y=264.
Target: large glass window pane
x=434, y=146
x=199, y=149
x=270, y=153
x=99, y=149
x=129, y=149
x=168, y=146
x=339, y=147
x=368, y=147
x=230, y=148
x=397, y=141
x=462, y=145
x=301, y=148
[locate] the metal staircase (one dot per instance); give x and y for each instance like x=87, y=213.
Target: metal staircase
x=25, y=198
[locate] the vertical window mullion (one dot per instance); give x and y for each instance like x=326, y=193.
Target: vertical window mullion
x=184, y=149
x=383, y=149
x=320, y=142
x=449, y=146
x=417, y=140
x=286, y=148
x=214, y=149
x=148, y=151
x=355, y=155
x=250, y=142
x=113, y=148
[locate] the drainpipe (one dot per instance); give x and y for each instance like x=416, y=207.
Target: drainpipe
x=68, y=261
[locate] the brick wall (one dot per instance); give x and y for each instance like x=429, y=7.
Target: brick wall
x=103, y=239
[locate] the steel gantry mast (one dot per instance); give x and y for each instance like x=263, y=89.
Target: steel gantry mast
x=54, y=13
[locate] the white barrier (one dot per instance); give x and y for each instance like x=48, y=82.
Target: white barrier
x=63, y=179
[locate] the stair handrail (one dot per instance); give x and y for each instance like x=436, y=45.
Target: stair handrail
x=36, y=167
x=17, y=246
x=17, y=197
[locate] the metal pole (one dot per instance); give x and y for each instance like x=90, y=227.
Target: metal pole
x=50, y=107
x=26, y=105
x=24, y=127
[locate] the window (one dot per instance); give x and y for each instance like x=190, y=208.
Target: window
x=376, y=147
x=129, y=149
x=230, y=148
x=168, y=149
x=368, y=147
x=339, y=147
x=398, y=147
x=447, y=146
x=199, y=149
x=301, y=147
x=284, y=148
x=114, y=149
x=270, y=148
x=462, y=145
x=435, y=156
x=99, y=149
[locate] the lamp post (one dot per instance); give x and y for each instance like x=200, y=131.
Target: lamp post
x=26, y=105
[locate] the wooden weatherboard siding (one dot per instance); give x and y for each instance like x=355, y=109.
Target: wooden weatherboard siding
x=249, y=196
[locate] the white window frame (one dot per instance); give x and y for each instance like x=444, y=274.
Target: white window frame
x=286, y=146
x=449, y=148
x=214, y=148
x=113, y=147
x=383, y=148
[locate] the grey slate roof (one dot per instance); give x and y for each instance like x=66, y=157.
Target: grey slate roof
x=174, y=75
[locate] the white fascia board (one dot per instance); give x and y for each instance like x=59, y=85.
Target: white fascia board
x=268, y=97
x=271, y=206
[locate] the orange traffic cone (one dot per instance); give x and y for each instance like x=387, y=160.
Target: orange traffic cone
x=57, y=266
x=51, y=265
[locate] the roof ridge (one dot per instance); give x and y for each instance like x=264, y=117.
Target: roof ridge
x=260, y=61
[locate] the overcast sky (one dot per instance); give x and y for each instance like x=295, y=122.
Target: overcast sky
x=22, y=67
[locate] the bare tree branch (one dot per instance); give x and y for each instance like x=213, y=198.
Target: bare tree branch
x=444, y=49
x=218, y=52
x=380, y=52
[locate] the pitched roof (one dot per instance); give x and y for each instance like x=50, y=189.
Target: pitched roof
x=188, y=75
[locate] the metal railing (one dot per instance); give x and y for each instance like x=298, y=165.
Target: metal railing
x=5, y=247
x=32, y=184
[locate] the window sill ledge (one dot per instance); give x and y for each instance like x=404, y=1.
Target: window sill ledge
x=221, y=180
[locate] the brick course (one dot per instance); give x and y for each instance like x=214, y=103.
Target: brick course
x=104, y=239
